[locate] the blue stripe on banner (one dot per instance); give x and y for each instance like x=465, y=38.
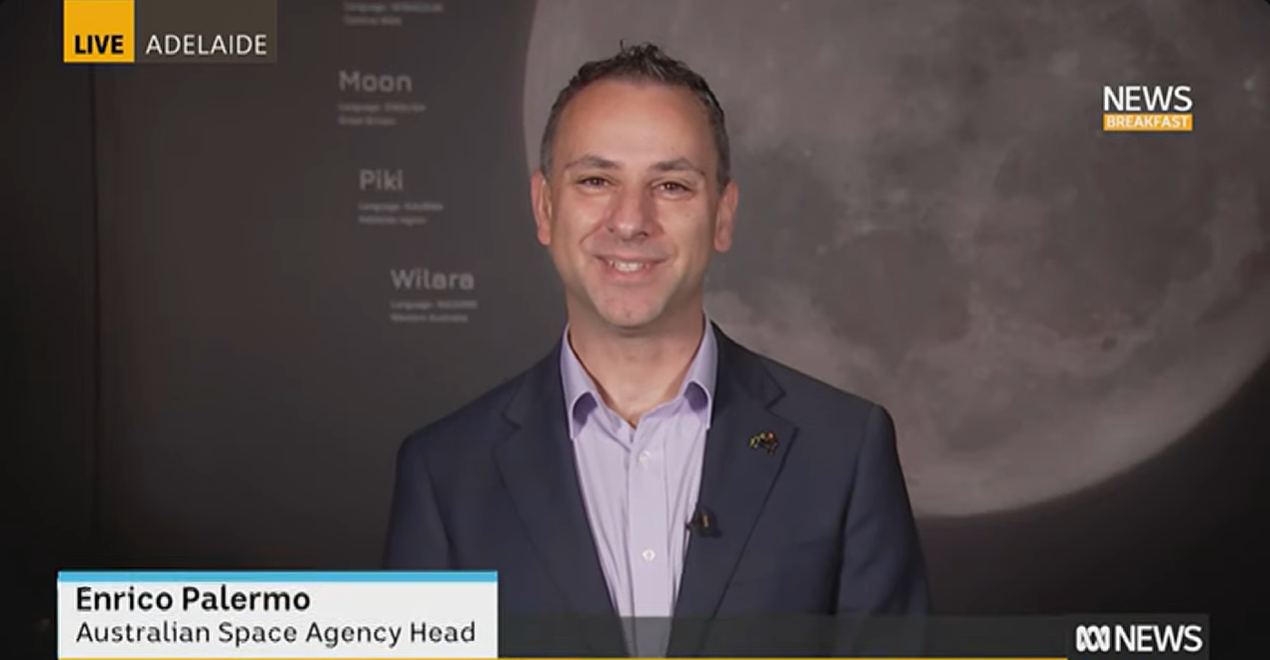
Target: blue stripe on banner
x=276, y=576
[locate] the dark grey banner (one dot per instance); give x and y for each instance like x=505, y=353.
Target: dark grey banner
x=1074, y=637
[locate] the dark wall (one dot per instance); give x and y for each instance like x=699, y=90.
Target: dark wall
x=201, y=369
x=48, y=346
x=258, y=378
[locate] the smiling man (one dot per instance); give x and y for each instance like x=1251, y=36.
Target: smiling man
x=651, y=467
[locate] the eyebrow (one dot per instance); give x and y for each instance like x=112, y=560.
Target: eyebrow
x=677, y=165
x=591, y=160
x=597, y=162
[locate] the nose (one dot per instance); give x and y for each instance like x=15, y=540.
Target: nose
x=633, y=215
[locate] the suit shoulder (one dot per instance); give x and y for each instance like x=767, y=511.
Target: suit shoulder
x=809, y=392
x=476, y=421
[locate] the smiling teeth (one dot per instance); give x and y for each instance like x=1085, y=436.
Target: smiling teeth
x=627, y=266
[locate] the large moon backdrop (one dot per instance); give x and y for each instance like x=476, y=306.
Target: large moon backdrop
x=932, y=217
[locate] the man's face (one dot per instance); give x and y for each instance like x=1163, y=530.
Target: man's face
x=632, y=210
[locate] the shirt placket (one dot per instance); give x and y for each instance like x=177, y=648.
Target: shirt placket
x=649, y=535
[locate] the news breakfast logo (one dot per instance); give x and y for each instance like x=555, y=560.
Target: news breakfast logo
x=1141, y=640
x=1147, y=109
x=174, y=31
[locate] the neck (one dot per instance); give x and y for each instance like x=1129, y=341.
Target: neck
x=636, y=372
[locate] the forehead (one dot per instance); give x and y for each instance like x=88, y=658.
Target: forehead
x=615, y=118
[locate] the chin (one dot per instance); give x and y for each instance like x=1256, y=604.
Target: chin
x=631, y=317
x=629, y=321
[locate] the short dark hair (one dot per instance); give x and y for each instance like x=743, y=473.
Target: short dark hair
x=644, y=62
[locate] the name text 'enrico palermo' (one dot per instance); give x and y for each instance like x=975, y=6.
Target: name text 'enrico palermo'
x=220, y=599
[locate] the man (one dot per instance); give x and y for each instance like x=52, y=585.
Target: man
x=649, y=466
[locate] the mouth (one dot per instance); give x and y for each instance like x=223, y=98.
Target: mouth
x=627, y=267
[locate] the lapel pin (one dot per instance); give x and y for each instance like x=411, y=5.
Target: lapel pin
x=765, y=440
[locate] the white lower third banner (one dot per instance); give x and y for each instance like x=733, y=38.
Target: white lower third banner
x=276, y=614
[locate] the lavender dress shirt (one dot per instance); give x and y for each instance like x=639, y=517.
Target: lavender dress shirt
x=640, y=485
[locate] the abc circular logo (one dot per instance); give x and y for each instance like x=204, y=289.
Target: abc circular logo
x=1093, y=639
x=1171, y=638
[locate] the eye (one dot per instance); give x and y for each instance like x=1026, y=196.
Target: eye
x=673, y=187
x=592, y=182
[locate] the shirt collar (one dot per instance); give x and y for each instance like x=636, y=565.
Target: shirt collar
x=581, y=394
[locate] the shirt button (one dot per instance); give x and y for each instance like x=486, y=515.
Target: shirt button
x=644, y=457
x=649, y=555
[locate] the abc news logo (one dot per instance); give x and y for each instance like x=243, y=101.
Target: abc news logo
x=1147, y=108
x=1140, y=638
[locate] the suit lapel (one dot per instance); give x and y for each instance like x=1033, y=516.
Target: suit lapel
x=735, y=482
x=538, y=467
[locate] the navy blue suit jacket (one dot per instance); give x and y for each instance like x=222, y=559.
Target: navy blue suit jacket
x=819, y=523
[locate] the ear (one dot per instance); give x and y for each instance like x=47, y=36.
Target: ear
x=725, y=218
x=540, y=194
